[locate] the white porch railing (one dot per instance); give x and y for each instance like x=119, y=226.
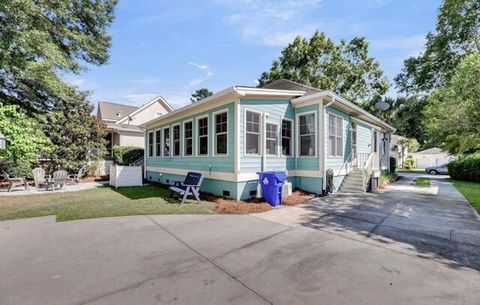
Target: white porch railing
x=360, y=159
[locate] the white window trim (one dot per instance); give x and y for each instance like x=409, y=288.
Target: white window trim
x=156, y=155
x=297, y=134
x=151, y=132
x=172, y=144
x=276, y=138
x=163, y=141
x=183, y=139
x=214, y=141
x=292, y=135
x=330, y=156
x=197, y=149
x=260, y=133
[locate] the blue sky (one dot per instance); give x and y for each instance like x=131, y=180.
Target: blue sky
x=171, y=48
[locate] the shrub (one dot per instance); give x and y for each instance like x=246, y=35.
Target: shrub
x=393, y=164
x=467, y=169
x=409, y=163
x=124, y=155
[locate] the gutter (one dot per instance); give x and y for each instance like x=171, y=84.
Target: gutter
x=325, y=135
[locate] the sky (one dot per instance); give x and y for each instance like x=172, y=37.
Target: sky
x=172, y=48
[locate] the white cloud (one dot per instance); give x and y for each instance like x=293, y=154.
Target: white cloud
x=207, y=74
x=269, y=22
x=145, y=81
x=178, y=101
x=199, y=66
x=411, y=45
x=77, y=82
x=139, y=99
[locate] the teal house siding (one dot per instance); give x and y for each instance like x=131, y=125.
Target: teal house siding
x=211, y=162
x=364, y=138
x=276, y=110
x=336, y=163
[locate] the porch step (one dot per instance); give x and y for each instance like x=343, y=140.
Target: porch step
x=353, y=182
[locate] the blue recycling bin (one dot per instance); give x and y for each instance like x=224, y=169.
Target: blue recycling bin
x=272, y=183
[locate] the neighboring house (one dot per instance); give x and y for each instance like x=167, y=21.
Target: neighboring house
x=286, y=126
x=123, y=125
x=431, y=157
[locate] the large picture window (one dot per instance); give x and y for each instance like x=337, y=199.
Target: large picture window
x=158, y=143
x=335, y=136
x=271, y=138
x=221, y=133
x=176, y=140
x=166, y=142
x=188, y=138
x=286, y=137
x=202, y=136
x=150, y=144
x=307, y=134
x=252, y=132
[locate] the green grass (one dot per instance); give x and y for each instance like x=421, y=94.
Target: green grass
x=99, y=202
x=421, y=181
x=387, y=178
x=470, y=190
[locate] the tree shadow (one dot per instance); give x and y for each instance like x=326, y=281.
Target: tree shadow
x=145, y=192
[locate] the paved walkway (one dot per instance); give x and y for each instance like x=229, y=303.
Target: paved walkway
x=20, y=191
x=336, y=250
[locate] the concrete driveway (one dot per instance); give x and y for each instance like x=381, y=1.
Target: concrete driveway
x=404, y=246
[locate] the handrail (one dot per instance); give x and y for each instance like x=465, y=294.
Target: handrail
x=367, y=171
x=345, y=163
x=137, y=162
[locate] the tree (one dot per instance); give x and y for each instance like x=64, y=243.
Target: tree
x=200, y=94
x=40, y=39
x=452, y=113
x=346, y=68
x=25, y=140
x=457, y=35
x=404, y=145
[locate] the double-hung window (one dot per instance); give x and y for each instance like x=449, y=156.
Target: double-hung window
x=158, y=143
x=335, y=136
x=188, y=138
x=150, y=144
x=166, y=142
x=202, y=124
x=176, y=140
x=307, y=134
x=271, y=138
x=221, y=133
x=252, y=132
x=286, y=138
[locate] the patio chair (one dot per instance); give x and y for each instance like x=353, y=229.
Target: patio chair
x=190, y=186
x=39, y=177
x=59, y=178
x=75, y=178
x=14, y=182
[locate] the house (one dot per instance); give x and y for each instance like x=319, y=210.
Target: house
x=122, y=122
x=123, y=125
x=286, y=126
x=431, y=157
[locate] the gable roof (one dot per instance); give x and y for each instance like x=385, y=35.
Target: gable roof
x=108, y=111
x=158, y=99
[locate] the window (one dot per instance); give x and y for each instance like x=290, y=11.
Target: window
x=188, y=138
x=271, y=133
x=286, y=138
x=202, y=136
x=221, y=130
x=176, y=140
x=150, y=144
x=158, y=143
x=307, y=135
x=335, y=136
x=166, y=141
x=252, y=130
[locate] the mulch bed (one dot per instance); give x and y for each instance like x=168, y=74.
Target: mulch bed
x=254, y=205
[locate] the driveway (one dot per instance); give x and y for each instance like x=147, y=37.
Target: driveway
x=403, y=246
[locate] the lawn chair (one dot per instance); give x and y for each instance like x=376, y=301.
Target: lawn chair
x=75, y=178
x=59, y=178
x=39, y=177
x=14, y=182
x=190, y=186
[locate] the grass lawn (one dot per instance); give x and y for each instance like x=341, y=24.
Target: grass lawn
x=99, y=202
x=470, y=190
x=420, y=181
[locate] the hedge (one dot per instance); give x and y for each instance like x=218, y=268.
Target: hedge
x=125, y=155
x=467, y=169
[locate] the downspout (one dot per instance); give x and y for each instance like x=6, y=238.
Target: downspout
x=325, y=135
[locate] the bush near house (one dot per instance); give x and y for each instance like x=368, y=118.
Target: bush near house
x=125, y=155
x=409, y=163
x=393, y=164
x=466, y=169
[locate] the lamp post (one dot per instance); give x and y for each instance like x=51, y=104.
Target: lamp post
x=3, y=141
